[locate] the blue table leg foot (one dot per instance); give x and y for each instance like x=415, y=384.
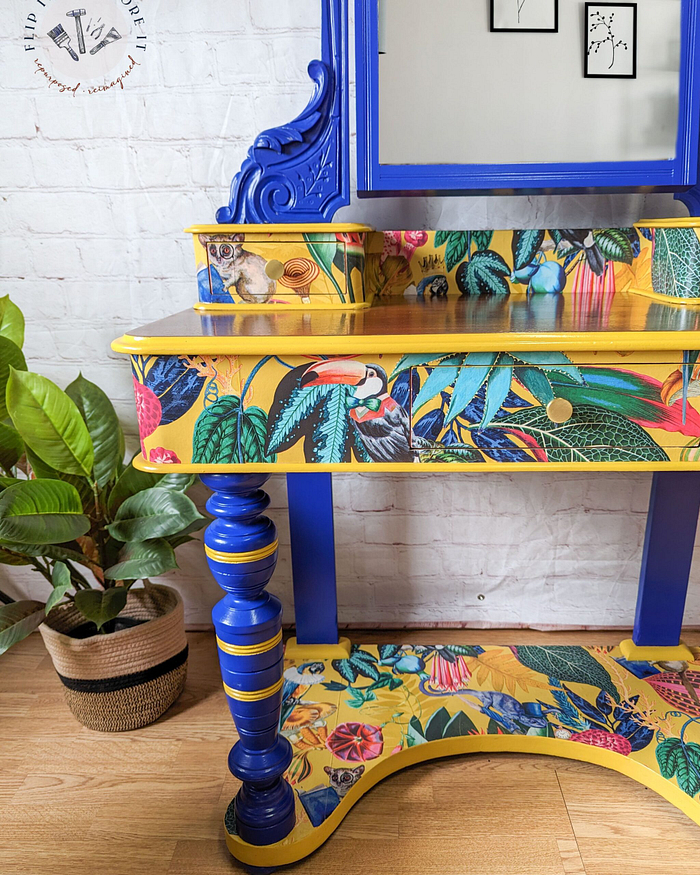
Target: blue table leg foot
x=241, y=548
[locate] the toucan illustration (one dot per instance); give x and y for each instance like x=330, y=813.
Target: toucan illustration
x=381, y=422
x=583, y=240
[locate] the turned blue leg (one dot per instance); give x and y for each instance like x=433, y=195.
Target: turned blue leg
x=668, y=553
x=241, y=548
x=310, y=498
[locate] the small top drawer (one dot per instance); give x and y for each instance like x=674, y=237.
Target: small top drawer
x=243, y=265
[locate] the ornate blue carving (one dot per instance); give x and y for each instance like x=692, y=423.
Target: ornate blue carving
x=299, y=172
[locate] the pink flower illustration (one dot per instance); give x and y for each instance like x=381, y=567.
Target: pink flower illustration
x=148, y=409
x=356, y=742
x=163, y=456
x=449, y=677
x=394, y=246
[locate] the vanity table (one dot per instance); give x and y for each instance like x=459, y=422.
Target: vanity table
x=317, y=347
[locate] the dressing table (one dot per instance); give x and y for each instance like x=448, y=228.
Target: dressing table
x=317, y=347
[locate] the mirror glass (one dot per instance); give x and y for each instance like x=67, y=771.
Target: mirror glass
x=452, y=91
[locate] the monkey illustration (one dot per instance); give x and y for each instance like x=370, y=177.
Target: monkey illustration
x=239, y=269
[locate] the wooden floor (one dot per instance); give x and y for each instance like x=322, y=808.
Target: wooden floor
x=152, y=801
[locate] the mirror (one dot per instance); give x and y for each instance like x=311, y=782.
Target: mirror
x=459, y=95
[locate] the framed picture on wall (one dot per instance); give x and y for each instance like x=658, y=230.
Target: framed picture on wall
x=526, y=16
x=610, y=45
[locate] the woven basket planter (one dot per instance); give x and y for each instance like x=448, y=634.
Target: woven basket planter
x=128, y=678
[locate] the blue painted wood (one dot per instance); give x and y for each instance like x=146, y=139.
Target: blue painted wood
x=668, y=552
x=299, y=172
x=375, y=179
x=245, y=617
x=310, y=499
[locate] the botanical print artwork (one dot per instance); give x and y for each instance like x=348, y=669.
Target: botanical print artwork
x=611, y=40
x=343, y=717
x=458, y=408
x=524, y=15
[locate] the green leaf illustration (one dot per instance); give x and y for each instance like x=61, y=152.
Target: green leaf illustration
x=666, y=754
x=481, y=239
x=591, y=435
x=675, y=267
x=223, y=433
x=534, y=380
x=460, y=724
x=451, y=454
x=485, y=274
x=416, y=360
x=551, y=361
x=477, y=367
x=568, y=664
x=681, y=759
x=436, y=724
x=285, y=430
x=330, y=435
x=525, y=245
x=438, y=380
x=497, y=388
x=323, y=255
x=456, y=249
x=441, y=238
x=615, y=245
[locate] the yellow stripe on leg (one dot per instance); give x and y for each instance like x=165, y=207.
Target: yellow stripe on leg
x=239, y=558
x=249, y=649
x=253, y=695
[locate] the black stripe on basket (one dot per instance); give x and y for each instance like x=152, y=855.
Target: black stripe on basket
x=123, y=682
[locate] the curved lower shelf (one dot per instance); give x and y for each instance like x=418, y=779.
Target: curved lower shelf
x=353, y=722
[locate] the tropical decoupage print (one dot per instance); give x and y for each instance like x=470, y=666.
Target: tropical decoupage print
x=323, y=268
x=470, y=408
x=345, y=716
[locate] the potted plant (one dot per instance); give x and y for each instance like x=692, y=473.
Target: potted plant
x=93, y=527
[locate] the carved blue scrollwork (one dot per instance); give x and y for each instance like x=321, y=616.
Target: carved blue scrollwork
x=299, y=172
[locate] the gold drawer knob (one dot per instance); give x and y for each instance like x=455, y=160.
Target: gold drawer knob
x=274, y=269
x=560, y=410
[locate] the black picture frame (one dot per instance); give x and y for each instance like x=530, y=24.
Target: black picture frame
x=586, y=41
x=494, y=29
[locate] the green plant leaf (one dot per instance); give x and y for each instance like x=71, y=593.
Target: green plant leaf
x=183, y=537
x=481, y=240
x=416, y=360
x=41, y=511
x=438, y=380
x=11, y=358
x=153, y=513
x=323, y=255
x=50, y=423
x=60, y=552
x=101, y=606
x=569, y=664
x=17, y=620
x=130, y=482
x=178, y=482
x=675, y=267
x=102, y=424
x=485, y=274
x=42, y=471
x=525, y=245
x=61, y=582
x=614, y=245
x=11, y=447
x=223, y=433
x=459, y=725
x=140, y=559
x=477, y=367
x=13, y=557
x=497, y=388
x=456, y=249
x=11, y=321
x=330, y=435
x=592, y=434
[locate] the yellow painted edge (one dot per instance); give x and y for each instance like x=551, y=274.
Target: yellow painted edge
x=305, y=652
x=253, y=695
x=239, y=558
x=288, y=228
x=401, y=344
x=666, y=299
x=277, y=308
x=687, y=222
x=249, y=649
x=407, y=467
x=635, y=653
x=280, y=853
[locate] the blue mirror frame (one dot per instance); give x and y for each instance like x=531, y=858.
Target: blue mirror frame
x=375, y=179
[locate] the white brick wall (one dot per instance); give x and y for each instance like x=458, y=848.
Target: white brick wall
x=94, y=193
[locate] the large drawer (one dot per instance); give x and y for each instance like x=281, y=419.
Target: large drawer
x=504, y=410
